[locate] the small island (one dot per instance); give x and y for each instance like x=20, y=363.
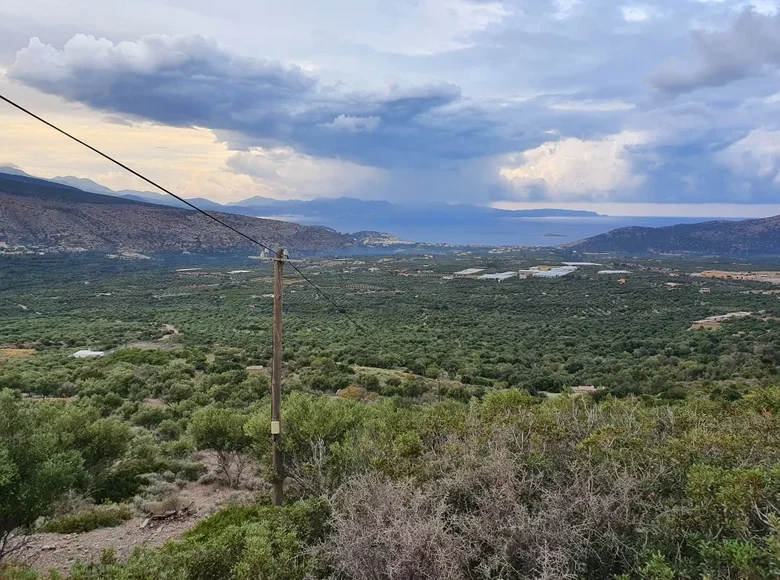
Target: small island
x=550, y=235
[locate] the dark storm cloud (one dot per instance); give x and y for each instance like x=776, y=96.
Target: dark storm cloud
x=747, y=48
x=549, y=71
x=172, y=80
x=193, y=82
x=190, y=81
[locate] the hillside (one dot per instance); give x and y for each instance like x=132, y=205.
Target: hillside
x=724, y=238
x=43, y=213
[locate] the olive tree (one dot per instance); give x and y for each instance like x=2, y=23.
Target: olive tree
x=222, y=431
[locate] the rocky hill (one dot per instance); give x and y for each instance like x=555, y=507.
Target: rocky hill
x=42, y=213
x=757, y=237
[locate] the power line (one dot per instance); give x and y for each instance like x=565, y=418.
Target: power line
x=182, y=200
x=131, y=170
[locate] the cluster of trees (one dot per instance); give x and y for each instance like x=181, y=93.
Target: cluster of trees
x=506, y=487
x=539, y=335
x=439, y=459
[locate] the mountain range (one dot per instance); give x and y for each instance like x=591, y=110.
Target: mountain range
x=48, y=214
x=329, y=211
x=78, y=212
x=753, y=237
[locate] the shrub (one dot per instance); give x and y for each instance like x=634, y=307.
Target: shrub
x=190, y=471
x=222, y=431
x=369, y=382
x=105, y=516
x=35, y=468
x=237, y=543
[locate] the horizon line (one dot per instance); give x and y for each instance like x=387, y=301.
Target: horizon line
x=649, y=209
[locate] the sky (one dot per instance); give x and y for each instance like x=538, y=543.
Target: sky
x=664, y=107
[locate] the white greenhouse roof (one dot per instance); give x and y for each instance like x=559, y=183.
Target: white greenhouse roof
x=87, y=353
x=500, y=276
x=469, y=271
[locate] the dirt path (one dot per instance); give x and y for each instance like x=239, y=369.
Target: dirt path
x=60, y=551
x=160, y=343
x=173, y=332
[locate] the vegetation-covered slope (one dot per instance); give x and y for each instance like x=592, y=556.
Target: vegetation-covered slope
x=421, y=449
x=43, y=213
x=724, y=238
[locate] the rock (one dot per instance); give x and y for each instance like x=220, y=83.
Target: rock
x=48, y=547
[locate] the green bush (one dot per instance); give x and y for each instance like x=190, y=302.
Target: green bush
x=105, y=516
x=222, y=431
x=35, y=468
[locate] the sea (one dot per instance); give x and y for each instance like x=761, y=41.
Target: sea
x=508, y=231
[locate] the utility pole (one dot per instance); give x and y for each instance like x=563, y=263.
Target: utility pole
x=276, y=387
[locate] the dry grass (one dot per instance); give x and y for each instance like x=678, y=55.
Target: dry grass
x=705, y=326
x=16, y=352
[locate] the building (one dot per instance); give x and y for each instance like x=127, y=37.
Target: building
x=499, y=277
x=552, y=271
x=468, y=272
x=88, y=354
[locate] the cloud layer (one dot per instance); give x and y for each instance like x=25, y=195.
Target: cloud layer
x=461, y=100
x=749, y=47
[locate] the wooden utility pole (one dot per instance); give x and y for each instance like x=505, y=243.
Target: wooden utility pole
x=276, y=387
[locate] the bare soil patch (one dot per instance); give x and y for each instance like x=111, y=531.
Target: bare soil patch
x=61, y=551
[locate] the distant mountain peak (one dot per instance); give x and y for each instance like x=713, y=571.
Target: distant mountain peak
x=49, y=214
x=83, y=184
x=13, y=170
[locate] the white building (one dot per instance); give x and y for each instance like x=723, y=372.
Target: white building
x=557, y=272
x=501, y=276
x=469, y=272
x=88, y=354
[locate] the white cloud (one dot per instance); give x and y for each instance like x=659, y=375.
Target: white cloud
x=349, y=124
x=573, y=168
x=592, y=106
x=756, y=155
x=636, y=12
x=565, y=8
x=766, y=7
x=290, y=174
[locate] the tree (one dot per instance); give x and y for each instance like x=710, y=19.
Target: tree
x=34, y=469
x=222, y=431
